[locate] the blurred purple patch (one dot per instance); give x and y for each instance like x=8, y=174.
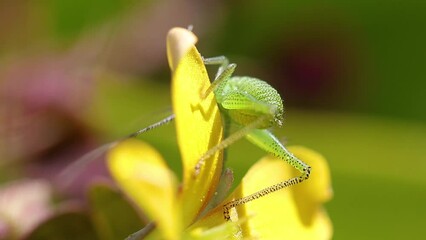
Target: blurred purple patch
x=4, y=230
x=43, y=101
x=47, y=83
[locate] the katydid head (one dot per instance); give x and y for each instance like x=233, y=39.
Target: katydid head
x=278, y=113
x=279, y=117
x=275, y=117
x=270, y=104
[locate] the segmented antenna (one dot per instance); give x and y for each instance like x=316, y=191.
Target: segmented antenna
x=68, y=174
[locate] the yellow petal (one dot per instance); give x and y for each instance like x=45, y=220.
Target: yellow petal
x=317, y=189
x=292, y=213
x=198, y=126
x=143, y=175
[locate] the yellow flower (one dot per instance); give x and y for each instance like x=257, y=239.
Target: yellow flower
x=291, y=213
x=294, y=213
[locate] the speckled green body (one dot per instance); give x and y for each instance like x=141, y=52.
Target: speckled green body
x=245, y=99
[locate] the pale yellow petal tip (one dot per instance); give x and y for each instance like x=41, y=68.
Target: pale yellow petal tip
x=179, y=41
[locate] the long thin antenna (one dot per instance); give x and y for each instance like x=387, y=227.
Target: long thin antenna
x=68, y=174
x=150, y=127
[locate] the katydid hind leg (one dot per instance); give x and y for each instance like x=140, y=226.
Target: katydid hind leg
x=268, y=142
x=265, y=140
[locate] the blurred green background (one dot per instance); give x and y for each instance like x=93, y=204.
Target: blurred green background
x=75, y=74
